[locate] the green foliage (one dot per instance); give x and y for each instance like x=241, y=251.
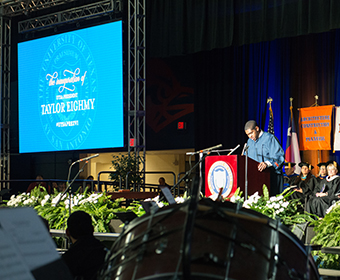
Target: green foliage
x=278, y=207
x=99, y=205
x=122, y=165
x=137, y=208
x=328, y=235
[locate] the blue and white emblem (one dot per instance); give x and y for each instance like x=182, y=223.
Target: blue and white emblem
x=220, y=176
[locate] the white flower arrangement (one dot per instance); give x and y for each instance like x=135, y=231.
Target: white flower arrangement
x=333, y=206
x=98, y=205
x=275, y=207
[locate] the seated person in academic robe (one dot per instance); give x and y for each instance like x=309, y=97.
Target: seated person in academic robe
x=304, y=184
x=289, y=175
x=326, y=192
x=86, y=254
x=322, y=171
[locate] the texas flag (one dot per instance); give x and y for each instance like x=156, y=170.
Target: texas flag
x=292, y=149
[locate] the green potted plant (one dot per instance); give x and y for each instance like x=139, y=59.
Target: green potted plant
x=123, y=165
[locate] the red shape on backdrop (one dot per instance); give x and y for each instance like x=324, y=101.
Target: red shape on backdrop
x=132, y=142
x=181, y=125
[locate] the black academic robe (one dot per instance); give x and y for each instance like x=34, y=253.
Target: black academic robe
x=307, y=186
x=320, y=179
x=319, y=205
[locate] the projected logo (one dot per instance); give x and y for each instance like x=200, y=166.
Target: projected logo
x=67, y=92
x=220, y=176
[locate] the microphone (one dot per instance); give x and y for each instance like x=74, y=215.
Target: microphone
x=233, y=150
x=85, y=159
x=245, y=148
x=211, y=148
x=205, y=150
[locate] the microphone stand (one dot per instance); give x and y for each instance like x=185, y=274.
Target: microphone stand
x=190, y=221
x=68, y=184
x=187, y=174
x=246, y=173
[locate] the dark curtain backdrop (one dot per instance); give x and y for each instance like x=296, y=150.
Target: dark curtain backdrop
x=232, y=86
x=177, y=27
x=246, y=51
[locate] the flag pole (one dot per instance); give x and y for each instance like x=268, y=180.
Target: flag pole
x=291, y=107
x=271, y=117
x=293, y=142
x=316, y=104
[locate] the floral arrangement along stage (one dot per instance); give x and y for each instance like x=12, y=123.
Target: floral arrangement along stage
x=98, y=205
x=103, y=209
x=278, y=207
x=328, y=235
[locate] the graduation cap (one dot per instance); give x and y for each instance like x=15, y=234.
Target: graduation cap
x=322, y=164
x=310, y=167
x=332, y=162
x=289, y=164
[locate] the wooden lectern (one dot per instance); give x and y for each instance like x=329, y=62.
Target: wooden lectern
x=228, y=172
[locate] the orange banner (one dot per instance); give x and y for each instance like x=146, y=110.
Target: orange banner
x=315, y=125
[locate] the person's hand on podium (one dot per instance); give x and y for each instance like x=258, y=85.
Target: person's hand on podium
x=262, y=166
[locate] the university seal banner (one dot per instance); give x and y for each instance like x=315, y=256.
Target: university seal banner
x=315, y=125
x=219, y=175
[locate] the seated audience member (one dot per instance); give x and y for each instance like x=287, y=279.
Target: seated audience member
x=61, y=186
x=289, y=176
x=304, y=184
x=36, y=183
x=326, y=192
x=162, y=182
x=86, y=254
x=54, y=186
x=322, y=171
x=90, y=184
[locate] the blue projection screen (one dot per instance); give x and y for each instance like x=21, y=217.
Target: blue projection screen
x=71, y=90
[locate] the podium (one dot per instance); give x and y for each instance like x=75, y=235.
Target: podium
x=228, y=172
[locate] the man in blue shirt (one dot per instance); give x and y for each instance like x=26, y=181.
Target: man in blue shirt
x=265, y=148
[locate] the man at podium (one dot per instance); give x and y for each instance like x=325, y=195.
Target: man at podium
x=265, y=148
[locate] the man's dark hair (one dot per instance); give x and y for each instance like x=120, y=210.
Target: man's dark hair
x=250, y=125
x=79, y=224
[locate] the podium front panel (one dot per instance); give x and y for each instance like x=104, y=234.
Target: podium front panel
x=228, y=172
x=220, y=172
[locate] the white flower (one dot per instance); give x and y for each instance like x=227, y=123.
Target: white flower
x=280, y=197
x=253, y=199
x=46, y=198
x=27, y=201
x=156, y=199
x=179, y=199
x=233, y=199
x=332, y=207
x=56, y=199
x=246, y=205
x=160, y=204
x=276, y=205
x=285, y=204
